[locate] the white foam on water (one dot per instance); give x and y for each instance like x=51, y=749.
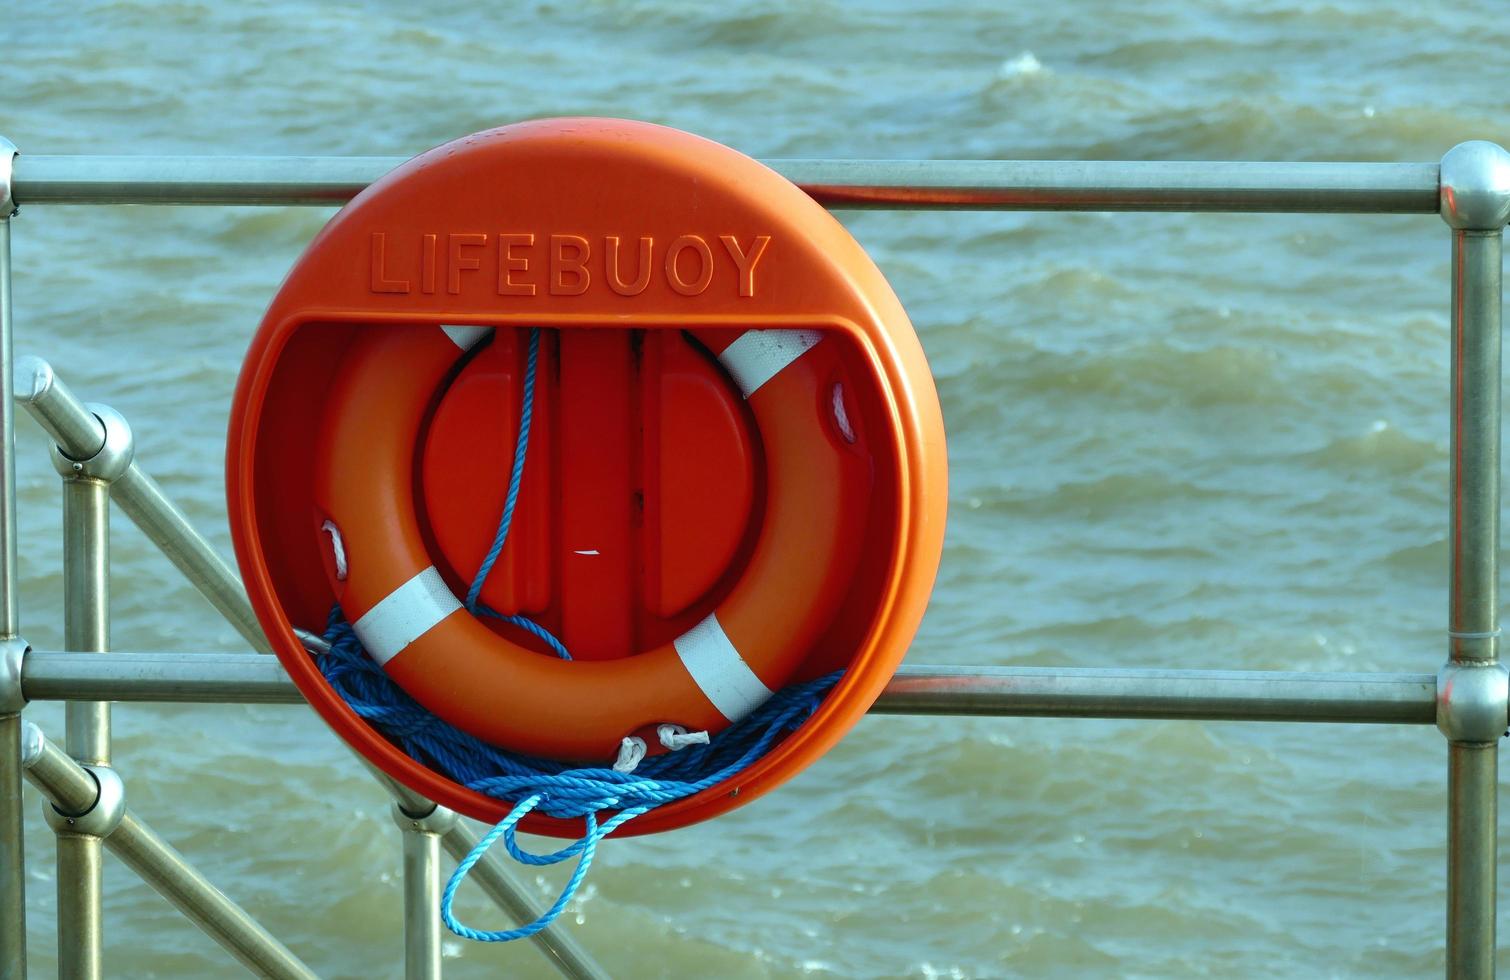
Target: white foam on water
x=1026, y=63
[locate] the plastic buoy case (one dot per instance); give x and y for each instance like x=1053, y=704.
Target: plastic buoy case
x=646, y=255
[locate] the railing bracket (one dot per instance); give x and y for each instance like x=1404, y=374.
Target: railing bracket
x=108, y=463
x=103, y=815
x=12, y=652
x=8, y=153
x=439, y=820
x=1473, y=702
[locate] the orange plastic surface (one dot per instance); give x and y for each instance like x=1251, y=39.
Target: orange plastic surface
x=637, y=492
x=497, y=688
x=589, y=227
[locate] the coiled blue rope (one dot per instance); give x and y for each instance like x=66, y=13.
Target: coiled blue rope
x=553, y=788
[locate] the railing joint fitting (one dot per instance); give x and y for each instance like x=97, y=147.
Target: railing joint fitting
x=1473, y=702
x=104, y=814
x=1474, y=187
x=111, y=461
x=437, y=820
x=8, y=154
x=13, y=652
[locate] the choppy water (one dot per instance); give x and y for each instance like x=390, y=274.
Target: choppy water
x=1175, y=440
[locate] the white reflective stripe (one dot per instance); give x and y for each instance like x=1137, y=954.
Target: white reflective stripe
x=717, y=668
x=759, y=355
x=466, y=337
x=407, y=613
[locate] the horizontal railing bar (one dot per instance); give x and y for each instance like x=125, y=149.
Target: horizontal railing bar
x=177, y=677
x=1213, y=695
x=1117, y=185
x=984, y=185
x=1085, y=692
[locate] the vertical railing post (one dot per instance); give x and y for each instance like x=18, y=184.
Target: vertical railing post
x=86, y=628
x=1472, y=686
x=12, y=849
x=422, y=834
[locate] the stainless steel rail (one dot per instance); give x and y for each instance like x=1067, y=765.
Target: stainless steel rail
x=1085, y=692
x=78, y=797
x=12, y=831
x=1467, y=699
x=86, y=626
x=1212, y=695
x=1475, y=203
x=977, y=185
x=182, y=677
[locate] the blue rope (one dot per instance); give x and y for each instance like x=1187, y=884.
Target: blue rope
x=510, y=499
x=555, y=789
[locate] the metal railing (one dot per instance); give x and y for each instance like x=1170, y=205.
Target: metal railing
x=1467, y=698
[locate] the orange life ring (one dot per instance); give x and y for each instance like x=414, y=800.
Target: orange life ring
x=621, y=240
x=411, y=623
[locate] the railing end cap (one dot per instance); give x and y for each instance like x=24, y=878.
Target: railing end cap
x=1474, y=192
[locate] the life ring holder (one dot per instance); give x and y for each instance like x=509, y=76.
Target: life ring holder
x=814, y=277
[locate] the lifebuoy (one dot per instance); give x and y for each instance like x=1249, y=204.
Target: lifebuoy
x=410, y=622
x=621, y=240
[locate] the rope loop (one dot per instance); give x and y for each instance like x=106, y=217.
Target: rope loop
x=587, y=846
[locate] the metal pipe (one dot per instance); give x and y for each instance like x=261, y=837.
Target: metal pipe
x=1213, y=695
x=1087, y=692
x=86, y=606
x=1038, y=185
x=67, y=785
x=80, y=867
x=166, y=870
x=72, y=789
x=1473, y=595
x=421, y=905
x=10, y=617
x=1473, y=589
x=1472, y=710
x=12, y=851
x=12, y=826
x=76, y=430
x=206, y=677
x=1472, y=821
x=170, y=529
x=559, y=945
x=421, y=889
x=86, y=627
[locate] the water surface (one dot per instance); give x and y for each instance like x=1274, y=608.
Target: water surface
x=1175, y=441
